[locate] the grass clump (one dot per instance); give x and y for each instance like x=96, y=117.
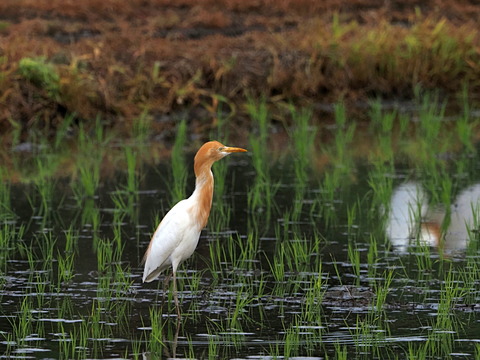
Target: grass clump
x=41, y=74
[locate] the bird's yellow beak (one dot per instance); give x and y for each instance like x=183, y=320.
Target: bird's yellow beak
x=229, y=149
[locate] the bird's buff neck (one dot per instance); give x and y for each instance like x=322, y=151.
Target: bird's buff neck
x=203, y=195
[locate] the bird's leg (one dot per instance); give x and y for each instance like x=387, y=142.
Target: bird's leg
x=175, y=339
x=165, y=283
x=165, y=287
x=175, y=296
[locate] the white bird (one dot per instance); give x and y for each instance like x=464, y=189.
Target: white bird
x=178, y=233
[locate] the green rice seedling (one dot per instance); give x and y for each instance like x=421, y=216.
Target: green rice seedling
x=71, y=240
x=117, y=223
x=216, y=258
x=423, y=259
x=468, y=277
x=351, y=219
x=344, y=135
x=428, y=145
x=292, y=340
x=431, y=112
x=66, y=259
x=446, y=190
x=303, y=137
x=101, y=137
x=417, y=352
x=116, y=310
x=240, y=309
x=65, y=307
x=248, y=250
x=312, y=310
x=220, y=180
x=125, y=203
x=96, y=329
x=44, y=185
x=23, y=324
x=136, y=345
x=89, y=160
x=277, y=265
x=376, y=115
x=8, y=343
x=29, y=253
x=354, y=258
x=89, y=176
x=105, y=255
x=298, y=203
x=192, y=285
x=283, y=227
x=63, y=131
x=464, y=124
x=221, y=211
x=297, y=253
x=132, y=177
x=325, y=201
x=141, y=128
x=441, y=337
x=372, y=257
x=179, y=167
x=9, y=235
x=341, y=351
x=404, y=121
x=213, y=348
x=43, y=285
x=47, y=245
x=16, y=134
x=261, y=195
x=453, y=291
x=368, y=334
x=477, y=351
x=259, y=113
x=91, y=215
x=382, y=289
x=191, y=348
x=65, y=267
x=6, y=211
x=221, y=131
x=382, y=187
x=156, y=342
x=220, y=214
x=383, y=125
x=71, y=344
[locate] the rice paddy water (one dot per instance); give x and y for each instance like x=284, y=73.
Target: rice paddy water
x=365, y=246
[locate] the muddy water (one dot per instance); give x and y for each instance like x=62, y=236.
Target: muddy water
x=241, y=309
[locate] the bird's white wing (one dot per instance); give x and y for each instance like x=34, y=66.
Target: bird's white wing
x=166, y=239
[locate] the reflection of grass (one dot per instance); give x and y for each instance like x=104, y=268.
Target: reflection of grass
x=261, y=194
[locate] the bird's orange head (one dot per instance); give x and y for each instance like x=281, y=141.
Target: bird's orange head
x=212, y=151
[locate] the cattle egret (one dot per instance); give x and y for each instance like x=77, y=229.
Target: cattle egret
x=177, y=236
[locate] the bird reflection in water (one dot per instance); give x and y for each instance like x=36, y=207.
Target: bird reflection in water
x=410, y=220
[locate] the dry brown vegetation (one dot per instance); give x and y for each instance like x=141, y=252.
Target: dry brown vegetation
x=120, y=59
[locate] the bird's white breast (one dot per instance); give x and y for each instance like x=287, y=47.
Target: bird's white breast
x=174, y=240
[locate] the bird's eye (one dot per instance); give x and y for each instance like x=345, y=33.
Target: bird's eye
x=221, y=148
